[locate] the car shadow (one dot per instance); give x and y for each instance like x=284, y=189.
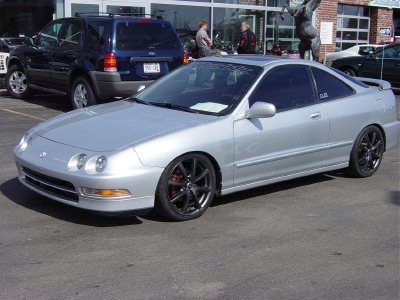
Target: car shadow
x=21, y=195
x=271, y=189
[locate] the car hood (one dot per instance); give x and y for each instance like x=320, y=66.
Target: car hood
x=115, y=125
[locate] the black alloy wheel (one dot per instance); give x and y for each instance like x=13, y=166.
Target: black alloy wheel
x=186, y=188
x=367, y=152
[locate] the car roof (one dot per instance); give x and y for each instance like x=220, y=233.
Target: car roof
x=111, y=16
x=256, y=59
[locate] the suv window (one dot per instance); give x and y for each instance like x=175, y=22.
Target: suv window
x=146, y=36
x=286, y=87
x=71, y=37
x=97, y=35
x=328, y=86
x=48, y=36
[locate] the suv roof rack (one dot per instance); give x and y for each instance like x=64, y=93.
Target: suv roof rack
x=112, y=15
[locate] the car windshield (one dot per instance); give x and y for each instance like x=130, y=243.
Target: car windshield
x=203, y=87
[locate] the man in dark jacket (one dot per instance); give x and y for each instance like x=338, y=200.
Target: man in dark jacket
x=247, y=44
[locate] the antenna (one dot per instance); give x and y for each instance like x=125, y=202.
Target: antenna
x=383, y=57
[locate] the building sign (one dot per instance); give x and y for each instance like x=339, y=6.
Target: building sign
x=326, y=33
x=385, y=3
x=385, y=31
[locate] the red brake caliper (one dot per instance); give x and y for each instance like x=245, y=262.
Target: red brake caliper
x=173, y=189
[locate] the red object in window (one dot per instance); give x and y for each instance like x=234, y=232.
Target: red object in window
x=110, y=62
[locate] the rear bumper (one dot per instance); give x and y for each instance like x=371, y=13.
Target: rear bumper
x=392, y=134
x=108, y=85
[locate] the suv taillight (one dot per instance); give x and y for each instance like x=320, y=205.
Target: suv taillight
x=185, y=58
x=110, y=62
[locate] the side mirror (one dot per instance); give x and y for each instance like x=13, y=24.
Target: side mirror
x=29, y=41
x=261, y=110
x=140, y=88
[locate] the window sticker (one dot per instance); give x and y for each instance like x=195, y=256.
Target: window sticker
x=209, y=106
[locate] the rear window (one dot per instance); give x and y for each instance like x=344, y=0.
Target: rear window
x=146, y=36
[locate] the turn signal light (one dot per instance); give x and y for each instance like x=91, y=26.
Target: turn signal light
x=105, y=192
x=110, y=62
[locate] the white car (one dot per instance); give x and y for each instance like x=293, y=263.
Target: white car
x=3, y=67
x=358, y=50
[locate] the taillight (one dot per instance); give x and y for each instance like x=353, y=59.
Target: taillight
x=185, y=58
x=110, y=62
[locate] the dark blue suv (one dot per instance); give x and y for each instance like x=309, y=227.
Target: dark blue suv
x=93, y=58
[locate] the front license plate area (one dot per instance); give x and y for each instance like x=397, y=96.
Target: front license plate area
x=151, y=68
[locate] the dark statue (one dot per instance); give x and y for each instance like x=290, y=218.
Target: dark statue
x=308, y=35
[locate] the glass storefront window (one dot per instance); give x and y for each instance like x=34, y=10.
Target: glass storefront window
x=350, y=23
x=182, y=17
x=226, y=27
x=86, y=8
x=350, y=10
x=125, y=10
x=26, y=18
x=282, y=31
x=251, y=2
x=364, y=23
x=278, y=3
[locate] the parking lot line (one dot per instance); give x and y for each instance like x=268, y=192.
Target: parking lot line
x=26, y=115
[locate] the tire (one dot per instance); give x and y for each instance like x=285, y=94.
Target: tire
x=349, y=71
x=82, y=94
x=17, y=84
x=181, y=197
x=367, y=152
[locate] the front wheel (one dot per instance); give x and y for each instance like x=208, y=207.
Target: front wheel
x=17, y=83
x=186, y=188
x=367, y=152
x=82, y=94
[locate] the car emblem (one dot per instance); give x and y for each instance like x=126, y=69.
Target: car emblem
x=43, y=154
x=152, y=53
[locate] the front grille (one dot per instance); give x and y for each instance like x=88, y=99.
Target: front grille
x=50, y=185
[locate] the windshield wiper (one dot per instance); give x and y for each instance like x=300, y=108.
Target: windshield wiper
x=158, y=44
x=174, y=106
x=137, y=100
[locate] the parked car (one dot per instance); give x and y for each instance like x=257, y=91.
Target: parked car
x=358, y=50
x=384, y=63
x=6, y=45
x=171, y=148
x=93, y=58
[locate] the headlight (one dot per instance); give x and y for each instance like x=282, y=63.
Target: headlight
x=24, y=141
x=82, y=159
x=101, y=163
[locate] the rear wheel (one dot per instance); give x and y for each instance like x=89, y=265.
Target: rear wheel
x=186, y=188
x=17, y=83
x=349, y=71
x=82, y=94
x=367, y=152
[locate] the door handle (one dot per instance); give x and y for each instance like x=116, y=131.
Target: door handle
x=315, y=116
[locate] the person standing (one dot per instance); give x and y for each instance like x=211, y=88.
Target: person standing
x=202, y=40
x=247, y=44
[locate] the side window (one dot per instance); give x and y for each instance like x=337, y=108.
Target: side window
x=97, y=35
x=71, y=37
x=48, y=36
x=329, y=87
x=286, y=87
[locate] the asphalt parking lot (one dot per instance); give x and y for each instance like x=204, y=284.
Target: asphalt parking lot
x=326, y=236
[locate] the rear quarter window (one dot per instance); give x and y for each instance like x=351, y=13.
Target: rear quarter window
x=146, y=36
x=97, y=35
x=329, y=87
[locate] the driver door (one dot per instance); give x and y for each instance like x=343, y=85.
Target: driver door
x=292, y=141
x=39, y=59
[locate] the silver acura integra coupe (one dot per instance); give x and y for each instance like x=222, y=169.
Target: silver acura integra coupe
x=213, y=127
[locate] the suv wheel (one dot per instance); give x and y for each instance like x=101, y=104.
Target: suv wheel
x=17, y=83
x=82, y=93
